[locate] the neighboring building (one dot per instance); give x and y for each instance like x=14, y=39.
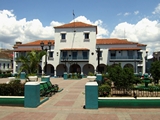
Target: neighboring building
x=74, y=50
x=148, y=66
x=6, y=61
x=156, y=56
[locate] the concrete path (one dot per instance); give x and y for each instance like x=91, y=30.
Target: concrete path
x=68, y=105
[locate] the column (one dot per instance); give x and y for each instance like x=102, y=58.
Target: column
x=32, y=94
x=91, y=95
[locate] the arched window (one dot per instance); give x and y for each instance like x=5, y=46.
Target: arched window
x=128, y=65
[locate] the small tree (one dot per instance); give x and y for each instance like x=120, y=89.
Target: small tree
x=31, y=61
x=155, y=71
x=116, y=75
x=123, y=78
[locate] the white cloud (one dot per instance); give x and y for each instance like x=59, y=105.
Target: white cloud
x=55, y=23
x=12, y=30
x=126, y=14
x=157, y=9
x=136, y=12
x=102, y=31
x=145, y=31
x=35, y=30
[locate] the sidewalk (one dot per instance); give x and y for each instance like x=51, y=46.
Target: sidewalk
x=68, y=105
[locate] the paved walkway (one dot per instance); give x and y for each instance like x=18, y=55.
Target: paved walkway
x=68, y=105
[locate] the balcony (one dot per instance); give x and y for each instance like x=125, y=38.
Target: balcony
x=77, y=59
x=125, y=58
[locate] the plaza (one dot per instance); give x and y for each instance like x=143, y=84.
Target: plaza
x=68, y=105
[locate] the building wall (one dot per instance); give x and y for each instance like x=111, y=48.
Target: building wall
x=5, y=65
x=76, y=40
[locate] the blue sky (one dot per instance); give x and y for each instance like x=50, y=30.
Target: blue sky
x=61, y=10
x=112, y=17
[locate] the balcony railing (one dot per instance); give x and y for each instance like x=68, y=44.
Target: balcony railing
x=125, y=57
x=75, y=58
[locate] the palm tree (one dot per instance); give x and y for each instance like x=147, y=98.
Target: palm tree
x=30, y=62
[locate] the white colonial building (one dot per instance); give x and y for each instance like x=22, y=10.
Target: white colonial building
x=75, y=50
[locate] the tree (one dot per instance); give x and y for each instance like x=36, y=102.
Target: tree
x=155, y=71
x=123, y=78
x=31, y=61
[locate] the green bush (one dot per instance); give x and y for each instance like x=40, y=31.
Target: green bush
x=104, y=90
x=91, y=74
x=69, y=75
x=74, y=76
x=137, y=80
x=5, y=75
x=13, y=88
x=1, y=75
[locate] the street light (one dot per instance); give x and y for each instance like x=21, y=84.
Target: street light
x=65, y=59
x=146, y=60
x=46, y=49
x=98, y=56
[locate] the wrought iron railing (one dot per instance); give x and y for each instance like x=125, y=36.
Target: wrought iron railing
x=143, y=92
x=82, y=58
x=125, y=57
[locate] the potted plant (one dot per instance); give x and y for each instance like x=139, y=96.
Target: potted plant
x=91, y=77
x=32, y=77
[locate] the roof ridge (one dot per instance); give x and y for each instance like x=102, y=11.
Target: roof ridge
x=75, y=24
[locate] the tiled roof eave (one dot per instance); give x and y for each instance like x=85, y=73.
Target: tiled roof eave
x=124, y=49
x=37, y=43
x=75, y=24
x=26, y=50
x=72, y=49
x=76, y=27
x=141, y=45
x=116, y=43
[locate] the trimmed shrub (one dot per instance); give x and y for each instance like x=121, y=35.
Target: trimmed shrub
x=104, y=90
x=13, y=88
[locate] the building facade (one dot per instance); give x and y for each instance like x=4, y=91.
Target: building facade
x=156, y=56
x=6, y=61
x=74, y=50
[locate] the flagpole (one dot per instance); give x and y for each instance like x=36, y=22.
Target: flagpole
x=74, y=20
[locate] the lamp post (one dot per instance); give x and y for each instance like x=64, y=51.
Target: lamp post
x=46, y=49
x=146, y=61
x=65, y=59
x=98, y=57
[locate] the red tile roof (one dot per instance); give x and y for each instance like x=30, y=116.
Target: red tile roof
x=75, y=49
x=37, y=43
x=6, y=55
x=26, y=49
x=75, y=24
x=141, y=44
x=123, y=48
x=113, y=41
